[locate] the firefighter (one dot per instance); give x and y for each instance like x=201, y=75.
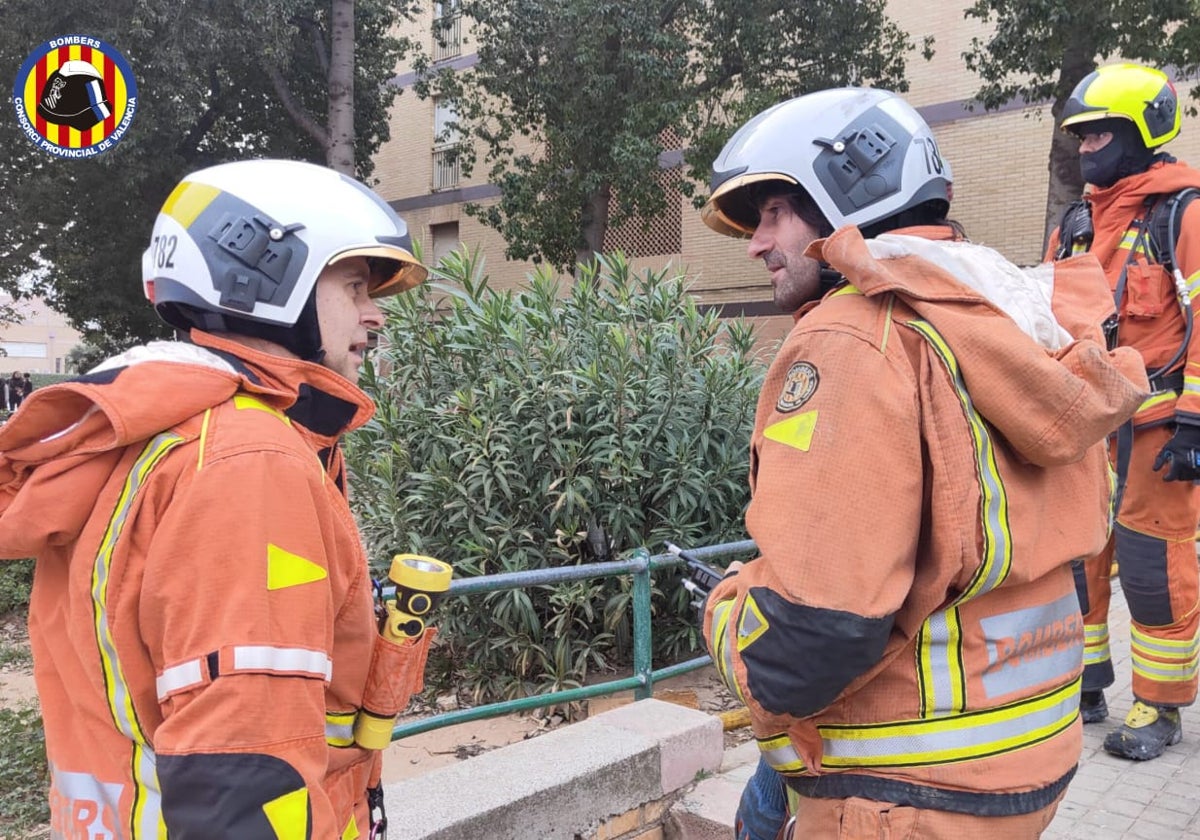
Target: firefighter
x=202, y=619
x=908, y=640
x=1148, y=241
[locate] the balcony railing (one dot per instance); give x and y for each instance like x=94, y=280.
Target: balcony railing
x=447, y=37
x=640, y=565
x=447, y=166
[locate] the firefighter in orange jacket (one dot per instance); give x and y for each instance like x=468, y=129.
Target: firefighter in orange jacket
x=1122, y=114
x=203, y=621
x=909, y=641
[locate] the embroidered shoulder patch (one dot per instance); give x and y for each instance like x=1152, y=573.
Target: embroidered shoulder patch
x=798, y=386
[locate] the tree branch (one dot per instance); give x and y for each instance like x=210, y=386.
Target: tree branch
x=187, y=146
x=320, y=49
x=300, y=117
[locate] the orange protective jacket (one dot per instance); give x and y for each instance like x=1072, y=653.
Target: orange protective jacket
x=1150, y=318
x=202, y=616
x=923, y=474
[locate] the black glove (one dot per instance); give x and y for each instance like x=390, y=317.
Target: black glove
x=1181, y=455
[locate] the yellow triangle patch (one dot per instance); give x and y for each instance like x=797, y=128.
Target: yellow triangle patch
x=288, y=815
x=795, y=432
x=351, y=831
x=285, y=569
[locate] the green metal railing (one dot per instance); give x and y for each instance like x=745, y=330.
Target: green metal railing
x=640, y=565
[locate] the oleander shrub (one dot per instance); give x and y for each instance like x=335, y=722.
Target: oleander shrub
x=568, y=421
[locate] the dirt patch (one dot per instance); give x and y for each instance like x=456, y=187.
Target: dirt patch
x=16, y=672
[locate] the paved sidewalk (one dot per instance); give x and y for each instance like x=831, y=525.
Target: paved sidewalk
x=1109, y=799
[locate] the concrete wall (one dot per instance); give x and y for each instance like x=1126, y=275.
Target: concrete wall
x=611, y=777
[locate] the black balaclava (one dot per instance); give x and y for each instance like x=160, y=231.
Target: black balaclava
x=1124, y=155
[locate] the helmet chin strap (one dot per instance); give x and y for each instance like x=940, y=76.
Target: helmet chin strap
x=302, y=338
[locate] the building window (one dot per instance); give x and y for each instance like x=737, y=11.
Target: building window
x=445, y=239
x=24, y=349
x=447, y=30
x=659, y=235
x=447, y=168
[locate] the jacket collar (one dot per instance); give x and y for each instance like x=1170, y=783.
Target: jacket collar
x=320, y=400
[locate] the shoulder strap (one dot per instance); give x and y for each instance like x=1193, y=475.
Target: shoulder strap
x=1163, y=225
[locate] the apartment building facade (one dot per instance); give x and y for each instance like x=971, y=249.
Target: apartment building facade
x=38, y=342
x=999, y=160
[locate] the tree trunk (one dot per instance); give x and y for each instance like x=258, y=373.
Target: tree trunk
x=594, y=224
x=339, y=154
x=1066, y=184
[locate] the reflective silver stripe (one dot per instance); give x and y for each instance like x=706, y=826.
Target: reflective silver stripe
x=282, y=660
x=1164, y=660
x=1034, y=646
x=85, y=803
x=339, y=728
x=781, y=754
x=943, y=682
x=722, y=649
x=939, y=652
x=947, y=740
x=1095, y=644
x=1153, y=669
x=1193, y=286
x=146, y=813
x=178, y=677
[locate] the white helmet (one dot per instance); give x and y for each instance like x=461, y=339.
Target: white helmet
x=238, y=248
x=863, y=155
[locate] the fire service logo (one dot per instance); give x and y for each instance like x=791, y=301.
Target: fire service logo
x=75, y=97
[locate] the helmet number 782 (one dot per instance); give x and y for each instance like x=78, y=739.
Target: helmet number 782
x=164, y=251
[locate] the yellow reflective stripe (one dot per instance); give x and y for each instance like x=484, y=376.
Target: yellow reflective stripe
x=1095, y=644
x=751, y=623
x=1158, y=671
x=997, y=534
x=942, y=680
x=1128, y=240
x=946, y=740
x=1155, y=400
x=847, y=289
x=1174, y=647
x=722, y=651
x=339, y=728
x=146, y=814
x=203, y=439
x=780, y=753
x=940, y=669
x=1164, y=660
x=351, y=831
x=245, y=401
x=1112, y=498
x=1193, y=286
x=1191, y=384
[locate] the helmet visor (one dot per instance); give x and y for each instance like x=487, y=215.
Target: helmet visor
x=731, y=209
x=393, y=269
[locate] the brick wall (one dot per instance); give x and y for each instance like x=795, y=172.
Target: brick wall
x=999, y=162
